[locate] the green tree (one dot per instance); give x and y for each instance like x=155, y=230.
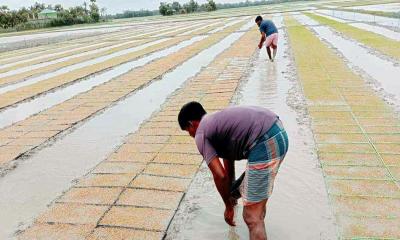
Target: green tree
x=211, y=5
x=23, y=14
x=165, y=9
x=208, y=6
x=4, y=8
x=94, y=11
x=4, y=16
x=176, y=6
x=58, y=7
x=35, y=9
x=191, y=6
x=103, y=11
x=85, y=7
x=10, y=19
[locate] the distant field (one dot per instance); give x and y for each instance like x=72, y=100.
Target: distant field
x=90, y=147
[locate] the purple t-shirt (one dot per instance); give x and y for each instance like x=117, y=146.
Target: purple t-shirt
x=230, y=132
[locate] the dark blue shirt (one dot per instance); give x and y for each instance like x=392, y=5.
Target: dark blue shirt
x=268, y=27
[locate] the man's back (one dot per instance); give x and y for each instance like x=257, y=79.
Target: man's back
x=228, y=133
x=268, y=27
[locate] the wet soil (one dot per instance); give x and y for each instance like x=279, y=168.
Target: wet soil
x=48, y=171
x=369, y=27
x=298, y=208
x=25, y=109
x=362, y=17
x=378, y=70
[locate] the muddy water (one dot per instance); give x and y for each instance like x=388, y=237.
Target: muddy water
x=318, y=12
x=127, y=37
x=211, y=24
x=46, y=173
x=137, y=33
x=384, y=72
x=35, y=53
x=369, y=27
x=44, y=55
x=23, y=41
x=35, y=36
x=362, y=17
x=38, y=104
x=299, y=207
x=70, y=68
x=390, y=7
x=188, y=26
x=230, y=23
x=44, y=64
x=41, y=77
x=379, y=30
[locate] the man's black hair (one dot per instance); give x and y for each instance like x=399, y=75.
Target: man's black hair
x=259, y=18
x=189, y=112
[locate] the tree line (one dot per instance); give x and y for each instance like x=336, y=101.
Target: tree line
x=167, y=9
x=28, y=18
x=139, y=13
x=248, y=3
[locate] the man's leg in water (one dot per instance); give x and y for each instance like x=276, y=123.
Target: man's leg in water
x=254, y=216
x=275, y=50
x=269, y=53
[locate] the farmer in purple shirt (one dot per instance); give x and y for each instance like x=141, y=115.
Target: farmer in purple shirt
x=237, y=133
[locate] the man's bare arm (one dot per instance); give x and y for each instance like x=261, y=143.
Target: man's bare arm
x=262, y=40
x=230, y=169
x=223, y=185
x=221, y=179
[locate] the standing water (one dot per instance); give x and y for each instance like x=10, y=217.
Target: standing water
x=383, y=71
x=384, y=31
x=49, y=171
x=25, y=109
x=362, y=17
x=299, y=207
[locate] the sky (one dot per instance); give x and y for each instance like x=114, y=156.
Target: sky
x=112, y=6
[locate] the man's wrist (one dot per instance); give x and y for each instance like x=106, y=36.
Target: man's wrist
x=229, y=203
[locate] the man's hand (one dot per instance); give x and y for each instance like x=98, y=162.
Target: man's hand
x=223, y=184
x=229, y=214
x=259, y=45
x=233, y=201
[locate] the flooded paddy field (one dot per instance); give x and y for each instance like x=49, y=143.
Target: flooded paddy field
x=90, y=147
x=390, y=7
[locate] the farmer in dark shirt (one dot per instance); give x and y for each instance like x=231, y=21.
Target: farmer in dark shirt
x=269, y=35
x=237, y=133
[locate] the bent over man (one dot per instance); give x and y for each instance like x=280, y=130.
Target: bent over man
x=237, y=133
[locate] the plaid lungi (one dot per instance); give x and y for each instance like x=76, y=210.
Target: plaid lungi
x=265, y=157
